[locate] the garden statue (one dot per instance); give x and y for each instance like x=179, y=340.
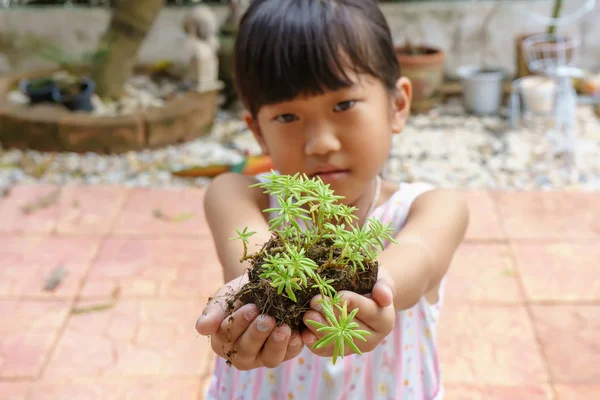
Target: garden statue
x=201, y=28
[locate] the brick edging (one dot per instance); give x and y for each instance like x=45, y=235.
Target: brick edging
x=54, y=128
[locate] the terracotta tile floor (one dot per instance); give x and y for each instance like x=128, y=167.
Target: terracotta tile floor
x=521, y=321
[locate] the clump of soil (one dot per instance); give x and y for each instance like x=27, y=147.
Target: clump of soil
x=285, y=311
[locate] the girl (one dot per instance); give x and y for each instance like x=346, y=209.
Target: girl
x=324, y=95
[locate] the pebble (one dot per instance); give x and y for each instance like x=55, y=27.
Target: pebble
x=447, y=148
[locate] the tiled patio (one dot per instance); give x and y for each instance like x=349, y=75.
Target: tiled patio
x=522, y=319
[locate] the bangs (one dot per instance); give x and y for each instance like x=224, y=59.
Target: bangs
x=295, y=48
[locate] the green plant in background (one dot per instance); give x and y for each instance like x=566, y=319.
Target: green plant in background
x=290, y=269
x=555, y=14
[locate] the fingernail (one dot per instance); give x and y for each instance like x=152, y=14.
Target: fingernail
x=318, y=307
x=278, y=336
x=295, y=343
x=250, y=315
x=263, y=323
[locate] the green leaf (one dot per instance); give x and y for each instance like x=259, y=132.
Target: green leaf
x=316, y=324
x=324, y=341
x=350, y=342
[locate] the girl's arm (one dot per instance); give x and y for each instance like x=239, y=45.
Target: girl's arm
x=435, y=227
x=229, y=205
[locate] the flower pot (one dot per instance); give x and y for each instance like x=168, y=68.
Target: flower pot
x=538, y=93
x=482, y=89
x=424, y=67
x=38, y=90
x=79, y=99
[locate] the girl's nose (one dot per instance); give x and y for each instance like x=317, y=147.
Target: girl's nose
x=322, y=142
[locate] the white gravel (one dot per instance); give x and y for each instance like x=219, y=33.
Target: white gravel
x=446, y=147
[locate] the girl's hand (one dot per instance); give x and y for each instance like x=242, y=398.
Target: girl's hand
x=247, y=339
x=376, y=314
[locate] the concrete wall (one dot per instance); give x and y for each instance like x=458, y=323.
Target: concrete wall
x=456, y=26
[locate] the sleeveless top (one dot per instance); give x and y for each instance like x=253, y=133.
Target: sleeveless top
x=405, y=365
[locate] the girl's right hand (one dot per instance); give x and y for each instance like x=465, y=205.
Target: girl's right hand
x=247, y=339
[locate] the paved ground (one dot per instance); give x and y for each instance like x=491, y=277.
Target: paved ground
x=522, y=319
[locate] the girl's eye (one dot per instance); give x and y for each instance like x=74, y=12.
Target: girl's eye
x=344, y=105
x=286, y=118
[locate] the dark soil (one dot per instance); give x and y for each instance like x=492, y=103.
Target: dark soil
x=285, y=311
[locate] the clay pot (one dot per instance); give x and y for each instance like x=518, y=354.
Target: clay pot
x=426, y=72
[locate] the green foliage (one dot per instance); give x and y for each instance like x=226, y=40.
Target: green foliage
x=308, y=211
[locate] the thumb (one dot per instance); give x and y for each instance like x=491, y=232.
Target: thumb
x=215, y=311
x=383, y=291
x=212, y=316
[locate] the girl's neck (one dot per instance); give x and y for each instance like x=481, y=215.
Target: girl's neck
x=369, y=201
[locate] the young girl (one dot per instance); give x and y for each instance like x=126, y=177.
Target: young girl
x=324, y=95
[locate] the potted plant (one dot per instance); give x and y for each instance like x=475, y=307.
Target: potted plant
x=74, y=89
x=424, y=66
x=39, y=90
x=69, y=87
x=482, y=86
x=75, y=93
x=296, y=264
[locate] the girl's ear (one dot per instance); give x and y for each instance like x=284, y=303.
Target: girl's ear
x=401, y=104
x=252, y=124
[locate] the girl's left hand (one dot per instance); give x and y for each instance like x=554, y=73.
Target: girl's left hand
x=376, y=314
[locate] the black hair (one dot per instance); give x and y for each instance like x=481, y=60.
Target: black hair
x=286, y=48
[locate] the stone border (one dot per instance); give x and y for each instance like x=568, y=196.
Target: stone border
x=54, y=128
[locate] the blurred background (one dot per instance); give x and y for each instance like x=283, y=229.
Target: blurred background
x=115, y=115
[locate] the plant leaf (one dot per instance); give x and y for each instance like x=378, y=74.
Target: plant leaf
x=324, y=341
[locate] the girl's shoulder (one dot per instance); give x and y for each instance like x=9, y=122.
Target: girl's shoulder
x=401, y=199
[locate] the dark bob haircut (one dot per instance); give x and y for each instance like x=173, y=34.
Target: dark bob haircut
x=287, y=48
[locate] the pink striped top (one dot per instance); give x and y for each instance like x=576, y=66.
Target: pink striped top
x=405, y=365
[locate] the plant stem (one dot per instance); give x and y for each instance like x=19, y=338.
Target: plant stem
x=555, y=14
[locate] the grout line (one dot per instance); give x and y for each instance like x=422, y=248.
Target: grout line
x=529, y=311
x=99, y=244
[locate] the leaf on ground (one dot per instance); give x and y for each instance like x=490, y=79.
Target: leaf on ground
x=42, y=202
x=116, y=292
x=182, y=217
x=91, y=309
x=172, y=218
x=99, y=307
x=56, y=277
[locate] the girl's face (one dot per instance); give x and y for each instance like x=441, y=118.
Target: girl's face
x=342, y=136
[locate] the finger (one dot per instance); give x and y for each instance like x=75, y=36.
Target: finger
x=313, y=316
x=309, y=338
x=215, y=311
x=295, y=346
x=275, y=348
x=235, y=325
x=383, y=292
x=376, y=318
x=252, y=340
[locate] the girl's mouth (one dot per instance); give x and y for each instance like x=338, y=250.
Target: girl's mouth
x=332, y=175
